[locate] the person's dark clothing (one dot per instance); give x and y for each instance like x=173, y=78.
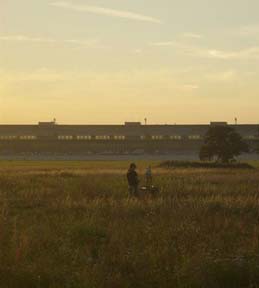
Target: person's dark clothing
x=133, y=182
x=132, y=177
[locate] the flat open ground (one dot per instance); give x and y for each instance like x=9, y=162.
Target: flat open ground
x=72, y=224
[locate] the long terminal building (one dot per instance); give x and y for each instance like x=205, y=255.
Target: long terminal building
x=130, y=138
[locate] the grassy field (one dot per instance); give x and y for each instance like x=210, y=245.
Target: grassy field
x=72, y=224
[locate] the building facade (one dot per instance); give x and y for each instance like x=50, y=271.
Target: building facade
x=132, y=137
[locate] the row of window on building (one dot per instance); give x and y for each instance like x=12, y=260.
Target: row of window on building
x=99, y=137
x=116, y=137
x=24, y=137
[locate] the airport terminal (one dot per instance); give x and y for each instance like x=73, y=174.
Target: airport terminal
x=129, y=138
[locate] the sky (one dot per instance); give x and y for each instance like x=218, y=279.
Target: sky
x=111, y=61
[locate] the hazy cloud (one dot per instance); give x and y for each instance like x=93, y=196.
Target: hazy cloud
x=137, y=51
x=24, y=38
x=105, y=11
x=224, y=76
x=30, y=39
x=152, y=79
x=247, y=53
x=250, y=30
x=164, y=43
x=40, y=75
x=192, y=35
x=189, y=87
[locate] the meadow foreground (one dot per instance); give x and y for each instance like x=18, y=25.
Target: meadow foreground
x=73, y=225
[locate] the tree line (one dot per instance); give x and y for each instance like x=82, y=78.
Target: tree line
x=223, y=144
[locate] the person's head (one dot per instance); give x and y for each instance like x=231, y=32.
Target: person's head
x=133, y=166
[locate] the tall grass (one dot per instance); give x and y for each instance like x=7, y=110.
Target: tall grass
x=68, y=228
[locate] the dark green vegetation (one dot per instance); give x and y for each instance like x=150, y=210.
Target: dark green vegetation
x=210, y=165
x=222, y=143
x=76, y=227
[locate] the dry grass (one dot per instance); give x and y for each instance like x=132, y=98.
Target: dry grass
x=75, y=226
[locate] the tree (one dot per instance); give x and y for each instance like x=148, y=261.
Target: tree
x=222, y=143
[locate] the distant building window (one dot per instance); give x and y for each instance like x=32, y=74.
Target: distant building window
x=8, y=137
x=84, y=137
x=65, y=137
x=157, y=137
x=102, y=137
x=175, y=137
x=119, y=137
x=195, y=137
x=28, y=137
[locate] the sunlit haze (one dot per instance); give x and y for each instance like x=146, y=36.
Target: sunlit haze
x=110, y=61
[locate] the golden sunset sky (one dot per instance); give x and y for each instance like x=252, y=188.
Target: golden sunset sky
x=110, y=61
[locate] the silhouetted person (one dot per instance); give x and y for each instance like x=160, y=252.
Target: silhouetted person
x=148, y=175
x=133, y=180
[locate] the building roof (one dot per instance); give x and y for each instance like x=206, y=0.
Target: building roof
x=126, y=130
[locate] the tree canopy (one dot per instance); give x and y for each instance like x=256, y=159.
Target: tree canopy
x=222, y=143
